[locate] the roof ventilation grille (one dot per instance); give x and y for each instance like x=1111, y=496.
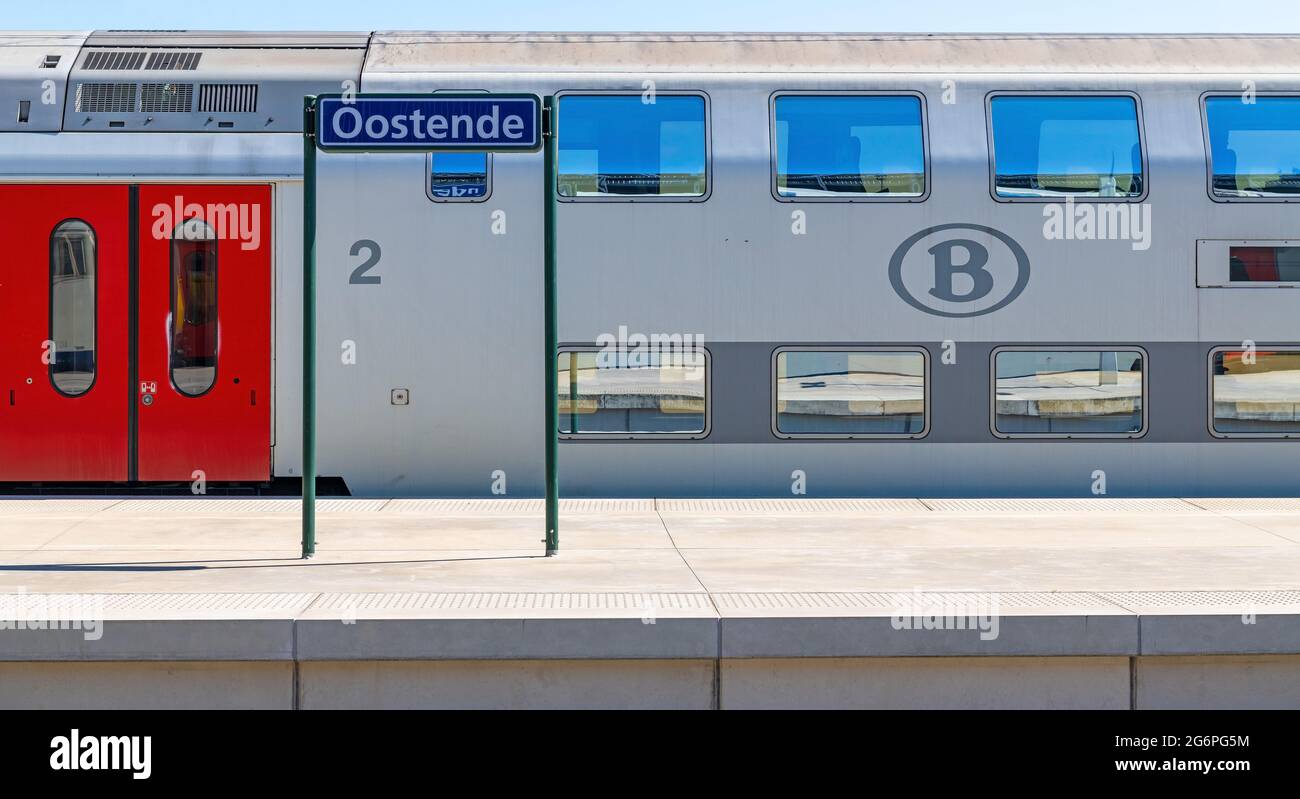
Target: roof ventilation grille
x=228, y=98
x=174, y=60
x=50, y=61
x=112, y=59
x=106, y=98
x=166, y=98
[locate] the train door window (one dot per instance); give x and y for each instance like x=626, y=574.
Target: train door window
x=624, y=147
x=193, y=329
x=846, y=147
x=73, y=315
x=1053, y=147
x=459, y=177
x=850, y=393
x=1069, y=393
x=1254, y=147
x=609, y=393
x=1255, y=394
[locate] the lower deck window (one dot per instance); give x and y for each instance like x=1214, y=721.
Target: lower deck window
x=1256, y=393
x=848, y=393
x=633, y=394
x=1051, y=393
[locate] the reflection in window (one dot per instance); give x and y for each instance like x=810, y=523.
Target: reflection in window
x=1264, y=264
x=194, y=307
x=1066, y=146
x=649, y=393
x=458, y=176
x=1254, y=147
x=72, y=307
x=1257, y=393
x=1086, y=392
x=617, y=145
x=850, y=393
x=842, y=145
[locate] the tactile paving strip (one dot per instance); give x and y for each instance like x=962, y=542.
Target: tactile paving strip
x=1175, y=600
x=187, y=505
x=1260, y=505
x=791, y=505
x=489, y=507
x=891, y=600
x=1067, y=505
x=292, y=604
x=15, y=507
x=512, y=601
x=160, y=604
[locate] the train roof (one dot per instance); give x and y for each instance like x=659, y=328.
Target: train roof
x=832, y=52
x=448, y=51
x=254, y=81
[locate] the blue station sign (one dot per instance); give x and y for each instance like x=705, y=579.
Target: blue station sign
x=428, y=122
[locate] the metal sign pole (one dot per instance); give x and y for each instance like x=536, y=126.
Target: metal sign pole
x=552, y=349
x=419, y=123
x=309, y=326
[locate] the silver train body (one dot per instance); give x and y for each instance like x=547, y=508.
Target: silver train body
x=456, y=320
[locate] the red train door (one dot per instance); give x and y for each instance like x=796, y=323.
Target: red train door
x=203, y=379
x=64, y=299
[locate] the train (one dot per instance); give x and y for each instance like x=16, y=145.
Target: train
x=805, y=264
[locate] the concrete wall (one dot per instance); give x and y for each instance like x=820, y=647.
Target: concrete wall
x=1226, y=681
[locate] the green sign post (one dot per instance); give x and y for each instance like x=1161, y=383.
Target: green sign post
x=425, y=123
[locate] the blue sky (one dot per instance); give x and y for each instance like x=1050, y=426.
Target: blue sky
x=1102, y=16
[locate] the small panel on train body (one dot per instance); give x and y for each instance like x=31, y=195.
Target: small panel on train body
x=64, y=352
x=204, y=375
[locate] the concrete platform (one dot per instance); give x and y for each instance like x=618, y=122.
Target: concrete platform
x=653, y=603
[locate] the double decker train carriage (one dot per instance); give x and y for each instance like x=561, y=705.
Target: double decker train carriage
x=851, y=265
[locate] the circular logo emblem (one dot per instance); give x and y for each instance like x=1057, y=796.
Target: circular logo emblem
x=959, y=269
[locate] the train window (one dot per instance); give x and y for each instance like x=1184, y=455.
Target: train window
x=460, y=177
x=839, y=146
x=1255, y=394
x=614, y=146
x=1262, y=264
x=1051, y=147
x=193, y=308
x=834, y=393
x=616, y=394
x=73, y=320
x=1069, y=393
x=1254, y=147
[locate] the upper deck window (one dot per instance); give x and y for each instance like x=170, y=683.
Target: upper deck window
x=1254, y=146
x=1056, y=147
x=847, y=146
x=624, y=146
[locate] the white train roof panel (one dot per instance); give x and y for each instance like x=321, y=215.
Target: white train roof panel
x=392, y=51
